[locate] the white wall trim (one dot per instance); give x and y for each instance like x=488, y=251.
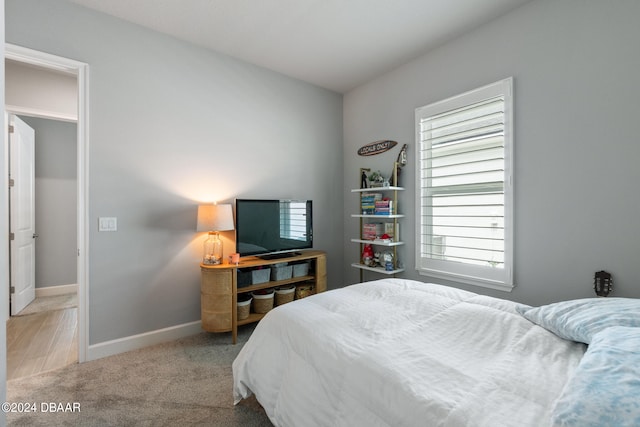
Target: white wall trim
x=43, y=114
x=50, y=291
x=134, y=342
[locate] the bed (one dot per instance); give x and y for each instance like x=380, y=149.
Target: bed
x=397, y=352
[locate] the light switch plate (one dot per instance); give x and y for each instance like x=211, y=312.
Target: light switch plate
x=107, y=223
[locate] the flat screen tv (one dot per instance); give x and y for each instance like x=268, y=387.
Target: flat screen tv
x=273, y=228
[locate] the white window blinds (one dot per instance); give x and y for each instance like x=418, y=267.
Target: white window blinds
x=464, y=207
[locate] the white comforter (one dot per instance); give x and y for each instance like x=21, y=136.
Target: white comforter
x=396, y=352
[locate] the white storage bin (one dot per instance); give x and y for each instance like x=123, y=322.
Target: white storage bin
x=260, y=276
x=301, y=269
x=281, y=272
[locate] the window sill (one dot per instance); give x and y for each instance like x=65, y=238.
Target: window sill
x=467, y=280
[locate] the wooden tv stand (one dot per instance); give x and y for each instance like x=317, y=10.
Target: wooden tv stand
x=219, y=288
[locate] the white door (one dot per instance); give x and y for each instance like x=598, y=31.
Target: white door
x=22, y=213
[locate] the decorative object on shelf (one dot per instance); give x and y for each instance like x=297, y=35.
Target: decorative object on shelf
x=376, y=259
x=401, y=161
x=602, y=283
x=376, y=147
x=363, y=177
x=367, y=255
x=387, y=261
x=214, y=218
x=234, y=258
x=376, y=179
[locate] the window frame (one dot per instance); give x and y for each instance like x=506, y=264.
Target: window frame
x=484, y=276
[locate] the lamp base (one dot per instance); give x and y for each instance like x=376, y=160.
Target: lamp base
x=212, y=250
x=211, y=260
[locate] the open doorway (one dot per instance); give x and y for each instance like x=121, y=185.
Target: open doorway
x=42, y=117
x=42, y=331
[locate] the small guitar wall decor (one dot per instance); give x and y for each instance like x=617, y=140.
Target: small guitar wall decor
x=401, y=161
x=602, y=283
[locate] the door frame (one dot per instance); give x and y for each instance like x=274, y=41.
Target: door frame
x=81, y=70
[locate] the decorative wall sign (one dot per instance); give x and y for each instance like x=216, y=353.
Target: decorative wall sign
x=376, y=147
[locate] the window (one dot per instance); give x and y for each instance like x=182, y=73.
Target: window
x=464, y=189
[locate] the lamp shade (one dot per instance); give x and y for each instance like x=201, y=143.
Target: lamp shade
x=215, y=218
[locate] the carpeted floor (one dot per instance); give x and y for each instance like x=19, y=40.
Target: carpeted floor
x=187, y=382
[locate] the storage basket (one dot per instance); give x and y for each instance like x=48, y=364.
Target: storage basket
x=301, y=269
x=281, y=271
x=262, y=302
x=303, y=291
x=260, y=276
x=244, y=278
x=285, y=294
x=244, y=306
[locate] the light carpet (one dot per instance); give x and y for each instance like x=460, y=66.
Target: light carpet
x=187, y=382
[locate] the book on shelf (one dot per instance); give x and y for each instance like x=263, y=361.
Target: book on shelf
x=375, y=230
x=374, y=195
x=372, y=230
x=368, y=202
x=383, y=207
x=389, y=230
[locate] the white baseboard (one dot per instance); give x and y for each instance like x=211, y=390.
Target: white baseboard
x=50, y=291
x=134, y=342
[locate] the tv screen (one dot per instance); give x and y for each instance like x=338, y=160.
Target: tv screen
x=273, y=226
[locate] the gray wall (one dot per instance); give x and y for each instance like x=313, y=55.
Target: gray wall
x=577, y=97
x=56, y=212
x=171, y=126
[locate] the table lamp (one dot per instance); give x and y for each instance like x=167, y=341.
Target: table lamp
x=214, y=218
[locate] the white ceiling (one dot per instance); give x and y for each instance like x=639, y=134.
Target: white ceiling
x=335, y=44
